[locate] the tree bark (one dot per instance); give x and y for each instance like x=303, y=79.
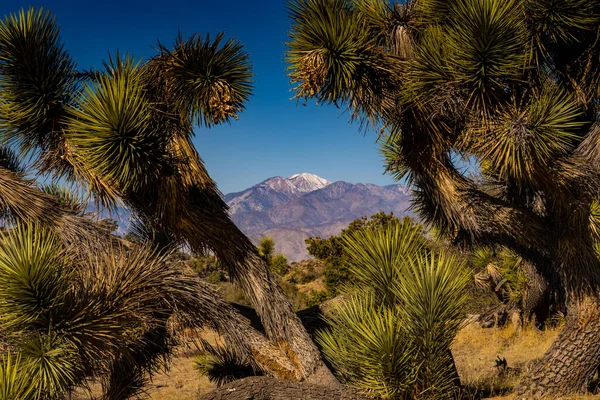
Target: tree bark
x=537, y=300
x=265, y=388
x=239, y=333
x=567, y=367
x=278, y=317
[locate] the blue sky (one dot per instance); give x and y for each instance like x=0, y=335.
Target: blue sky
x=274, y=135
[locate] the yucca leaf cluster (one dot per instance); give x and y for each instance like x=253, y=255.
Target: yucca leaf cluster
x=68, y=317
x=392, y=333
x=511, y=85
x=122, y=132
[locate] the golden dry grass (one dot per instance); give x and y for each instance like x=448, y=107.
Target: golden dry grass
x=182, y=382
x=475, y=351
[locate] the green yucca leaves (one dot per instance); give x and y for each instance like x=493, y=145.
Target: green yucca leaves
x=433, y=11
x=52, y=364
x=392, y=333
x=37, y=78
x=15, y=382
x=562, y=20
x=429, y=73
x=71, y=315
x=332, y=52
x=33, y=278
x=433, y=298
x=486, y=37
x=376, y=256
x=207, y=80
x=110, y=129
x=368, y=347
x=524, y=140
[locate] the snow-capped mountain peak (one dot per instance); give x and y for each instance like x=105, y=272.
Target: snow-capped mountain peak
x=306, y=182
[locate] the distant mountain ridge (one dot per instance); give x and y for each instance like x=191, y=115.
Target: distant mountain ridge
x=303, y=205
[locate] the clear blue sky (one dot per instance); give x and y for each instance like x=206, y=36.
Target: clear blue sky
x=274, y=135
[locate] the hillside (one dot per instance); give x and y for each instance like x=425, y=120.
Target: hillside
x=303, y=205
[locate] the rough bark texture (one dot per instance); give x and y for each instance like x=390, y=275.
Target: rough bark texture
x=264, y=388
x=278, y=317
x=573, y=358
x=537, y=300
x=241, y=335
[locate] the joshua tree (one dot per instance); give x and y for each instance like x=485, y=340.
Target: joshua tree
x=512, y=84
x=124, y=133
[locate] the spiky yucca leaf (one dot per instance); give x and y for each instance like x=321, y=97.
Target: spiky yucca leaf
x=432, y=300
x=405, y=297
x=376, y=257
x=221, y=364
x=15, y=382
x=524, y=140
x=110, y=129
x=53, y=365
x=429, y=73
x=33, y=278
x=68, y=198
x=207, y=81
x=433, y=11
x=333, y=54
x=10, y=160
x=562, y=20
x=488, y=55
x=368, y=346
x=36, y=78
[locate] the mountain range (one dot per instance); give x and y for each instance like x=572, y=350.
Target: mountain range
x=292, y=209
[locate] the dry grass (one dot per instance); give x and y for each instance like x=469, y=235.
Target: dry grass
x=181, y=382
x=475, y=351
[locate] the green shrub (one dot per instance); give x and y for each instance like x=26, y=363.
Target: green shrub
x=279, y=264
x=316, y=297
x=216, y=277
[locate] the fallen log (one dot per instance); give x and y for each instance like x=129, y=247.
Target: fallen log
x=267, y=388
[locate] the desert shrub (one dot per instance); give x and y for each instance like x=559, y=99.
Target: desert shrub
x=266, y=248
x=205, y=264
x=279, y=264
x=316, y=297
x=221, y=364
x=403, y=307
x=302, y=277
x=216, y=277
x=233, y=294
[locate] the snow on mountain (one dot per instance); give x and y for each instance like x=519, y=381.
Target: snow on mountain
x=308, y=182
x=274, y=191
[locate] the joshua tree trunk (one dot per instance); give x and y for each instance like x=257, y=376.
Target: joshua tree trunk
x=573, y=358
x=568, y=365
x=279, y=319
x=544, y=294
